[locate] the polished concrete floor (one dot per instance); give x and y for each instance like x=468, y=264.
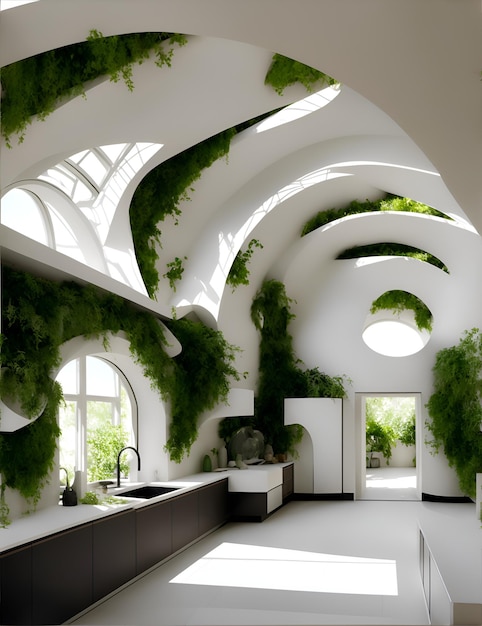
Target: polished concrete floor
x=317, y=562
x=391, y=483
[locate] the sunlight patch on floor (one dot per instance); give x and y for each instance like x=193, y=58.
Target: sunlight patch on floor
x=251, y=566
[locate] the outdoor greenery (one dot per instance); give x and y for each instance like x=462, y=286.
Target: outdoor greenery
x=284, y=72
x=280, y=373
x=388, y=203
x=38, y=315
x=389, y=420
x=239, y=272
x=103, y=444
x=398, y=301
x=36, y=85
x=455, y=408
x=379, y=438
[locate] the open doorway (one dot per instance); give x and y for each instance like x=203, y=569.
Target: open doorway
x=389, y=467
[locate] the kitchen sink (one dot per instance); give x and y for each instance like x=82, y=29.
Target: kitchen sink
x=147, y=491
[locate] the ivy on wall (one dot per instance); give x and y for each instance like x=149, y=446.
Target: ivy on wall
x=284, y=72
x=239, y=272
x=455, y=408
x=398, y=300
x=280, y=374
x=389, y=203
x=39, y=315
x=392, y=249
x=36, y=85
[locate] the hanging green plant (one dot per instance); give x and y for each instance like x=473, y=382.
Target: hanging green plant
x=204, y=373
x=455, y=408
x=39, y=315
x=239, y=272
x=284, y=72
x=36, y=85
x=389, y=203
x=392, y=249
x=175, y=271
x=398, y=300
x=27, y=455
x=280, y=374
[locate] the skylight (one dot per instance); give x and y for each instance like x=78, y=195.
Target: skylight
x=295, y=111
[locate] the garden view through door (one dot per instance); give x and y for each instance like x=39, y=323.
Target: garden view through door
x=390, y=427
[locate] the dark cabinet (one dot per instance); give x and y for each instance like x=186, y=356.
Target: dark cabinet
x=61, y=575
x=16, y=586
x=213, y=506
x=153, y=534
x=185, y=518
x=113, y=552
x=288, y=481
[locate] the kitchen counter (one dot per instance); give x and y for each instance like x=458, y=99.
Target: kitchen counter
x=256, y=478
x=57, y=518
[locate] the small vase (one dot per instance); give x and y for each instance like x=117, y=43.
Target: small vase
x=222, y=457
x=207, y=463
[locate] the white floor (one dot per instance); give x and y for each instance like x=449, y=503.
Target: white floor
x=391, y=483
x=317, y=562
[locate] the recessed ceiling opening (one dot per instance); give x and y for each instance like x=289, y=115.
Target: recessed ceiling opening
x=394, y=333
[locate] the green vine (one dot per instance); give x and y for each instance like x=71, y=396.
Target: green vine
x=392, y=249
x=36, y=85
x=204, y=370
x=39, y=315
x=175, y=271
x=239, y=272
x=389, y=203
x=284, y=72
x=455, y=408
x=280, y=374
x=398, y=301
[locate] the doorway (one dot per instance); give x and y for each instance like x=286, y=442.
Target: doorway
x=389, y=436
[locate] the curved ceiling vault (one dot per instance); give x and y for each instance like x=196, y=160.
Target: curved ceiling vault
x=276, y=178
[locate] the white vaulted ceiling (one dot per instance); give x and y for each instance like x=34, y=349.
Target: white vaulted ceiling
x=404, y=120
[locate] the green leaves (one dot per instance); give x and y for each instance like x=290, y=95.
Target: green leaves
x=36, y=86
x=398, y=300
x=455, y=408
x=239, y=272
x=284, y=72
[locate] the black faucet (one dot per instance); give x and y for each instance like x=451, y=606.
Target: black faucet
x=118, y=462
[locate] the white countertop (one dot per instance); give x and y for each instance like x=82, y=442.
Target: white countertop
x=454, y=537
x=53, y=519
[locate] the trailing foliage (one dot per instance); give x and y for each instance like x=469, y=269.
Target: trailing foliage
x=398, y=300
x=27, y=456
x=284, y=72
x=389, y=203
x=455, y=408
x=204, y=370
x=159, y=194
x=280, y=374
x=239, y=272
x=36, y=85
x=175, y=270
x=39, y=315
x=392, y=249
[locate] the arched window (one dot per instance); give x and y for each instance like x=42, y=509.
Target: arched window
x=98, y=419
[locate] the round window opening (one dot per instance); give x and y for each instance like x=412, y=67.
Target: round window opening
x=394, y=334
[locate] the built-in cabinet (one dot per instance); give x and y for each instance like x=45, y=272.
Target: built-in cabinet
x=113, y=552
x=50, y=580
x=256, y=505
